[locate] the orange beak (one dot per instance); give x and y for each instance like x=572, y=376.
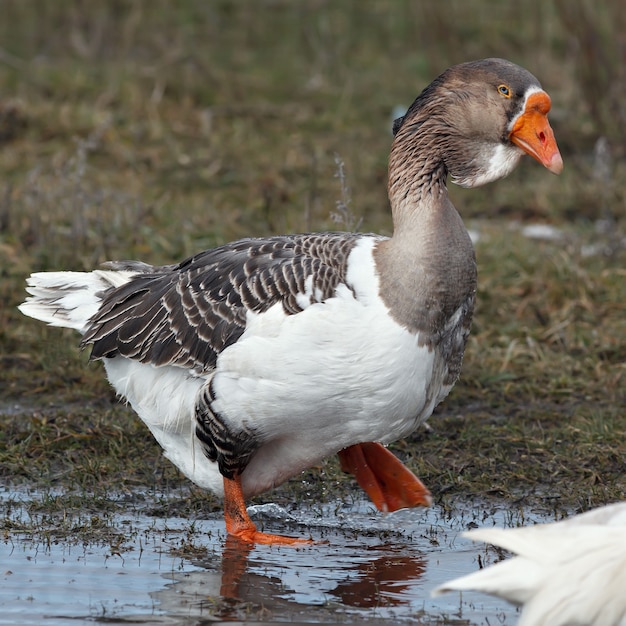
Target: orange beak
x=533, y=134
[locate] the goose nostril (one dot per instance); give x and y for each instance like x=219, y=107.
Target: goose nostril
x=542, y=137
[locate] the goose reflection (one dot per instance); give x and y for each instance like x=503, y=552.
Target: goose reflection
x=258, y=582
x=383, y=581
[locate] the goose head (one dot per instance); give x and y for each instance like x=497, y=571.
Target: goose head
x=474, y=121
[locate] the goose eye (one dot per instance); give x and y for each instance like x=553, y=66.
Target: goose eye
x=503, y=90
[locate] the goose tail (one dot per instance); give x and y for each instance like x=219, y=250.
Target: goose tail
x=69, y=299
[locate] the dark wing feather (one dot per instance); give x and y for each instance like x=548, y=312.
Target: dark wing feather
x=187, y=314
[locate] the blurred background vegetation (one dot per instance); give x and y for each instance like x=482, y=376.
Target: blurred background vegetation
x=154, y=128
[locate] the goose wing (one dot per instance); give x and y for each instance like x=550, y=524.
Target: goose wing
x=186, y=314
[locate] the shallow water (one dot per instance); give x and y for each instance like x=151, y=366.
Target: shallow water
x=370, y=569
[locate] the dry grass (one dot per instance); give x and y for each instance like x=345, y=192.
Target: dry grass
x=153, y=130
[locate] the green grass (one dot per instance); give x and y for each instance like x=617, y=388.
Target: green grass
x=151, y=133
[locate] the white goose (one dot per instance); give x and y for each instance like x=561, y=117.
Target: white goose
x=255, y=360
x=570, y=573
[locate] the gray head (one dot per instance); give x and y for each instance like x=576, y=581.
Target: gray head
x=477, y=119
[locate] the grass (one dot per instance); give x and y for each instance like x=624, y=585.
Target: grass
x=135, y=133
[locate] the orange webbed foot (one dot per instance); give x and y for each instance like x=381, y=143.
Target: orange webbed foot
x=241, y=527
x=389, y=484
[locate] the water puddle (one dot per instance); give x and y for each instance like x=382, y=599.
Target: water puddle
x=370, y=569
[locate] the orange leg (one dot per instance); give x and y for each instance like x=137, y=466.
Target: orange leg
x=239, y=524
x=389, y=484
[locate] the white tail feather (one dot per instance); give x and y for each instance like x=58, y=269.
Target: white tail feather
x=69, y=299
x=569, y=572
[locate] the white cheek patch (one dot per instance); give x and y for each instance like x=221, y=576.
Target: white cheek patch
x=500, y=160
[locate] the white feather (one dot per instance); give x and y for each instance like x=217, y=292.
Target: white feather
x=165, y=398
x=69, y=299
x=500, y=160
x=568, y=573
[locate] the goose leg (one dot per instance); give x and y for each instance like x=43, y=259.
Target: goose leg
x=389, y=484
x=239, y=524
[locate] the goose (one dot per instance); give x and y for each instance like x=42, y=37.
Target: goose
x=255, y=360
x=568, y=573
